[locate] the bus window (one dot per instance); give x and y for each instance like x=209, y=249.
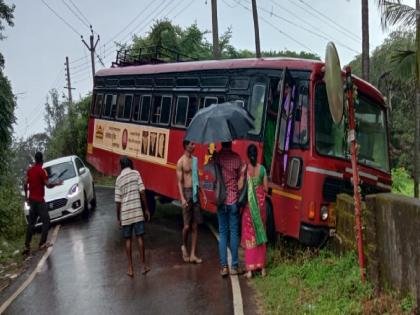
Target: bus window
x=165, y=113
x=161, y=110
x=239, y=83
x=125, y=102
x=108, y=105
x=214, y=81
x=301, y=116
x=181, y=111
x=192, y=109
x=256, y=108
x=136, y=107
x=114, y=106
x=146, y=101
x=209, y=100
x=97, y=107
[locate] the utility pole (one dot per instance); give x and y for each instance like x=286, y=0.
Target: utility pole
x=215, y=29
x=91, y=49
x=68, y=87
x=365, y=40
x=256, y=29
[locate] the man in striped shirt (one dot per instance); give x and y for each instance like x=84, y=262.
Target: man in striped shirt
x=129, y=192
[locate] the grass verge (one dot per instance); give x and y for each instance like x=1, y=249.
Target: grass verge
x=303, y=281
x=101, y=179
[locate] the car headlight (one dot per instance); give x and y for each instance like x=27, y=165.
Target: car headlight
x=73, y=190
x=26, y=206
x=324, y=213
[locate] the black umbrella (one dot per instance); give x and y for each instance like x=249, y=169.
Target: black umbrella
x=220, y=123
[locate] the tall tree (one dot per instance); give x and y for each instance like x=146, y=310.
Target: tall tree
x=365, y=40
x=54, y=111
x=7, y=99
x=395, y=13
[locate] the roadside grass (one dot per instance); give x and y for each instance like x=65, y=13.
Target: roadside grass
x=101, y=179
x=304, y=281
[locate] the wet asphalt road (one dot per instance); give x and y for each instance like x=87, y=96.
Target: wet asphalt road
x=86, y=272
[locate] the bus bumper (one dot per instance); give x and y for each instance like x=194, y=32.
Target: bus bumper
x=313, y=235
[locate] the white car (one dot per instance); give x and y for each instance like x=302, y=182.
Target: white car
x=76, y=193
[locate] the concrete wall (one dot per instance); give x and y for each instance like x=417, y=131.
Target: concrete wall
x=391, y=239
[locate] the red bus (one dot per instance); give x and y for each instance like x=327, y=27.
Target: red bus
x=143, y=111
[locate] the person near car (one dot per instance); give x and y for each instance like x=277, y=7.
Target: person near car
x=188, y=186
x=34, y=187
x=228, y=213
x=129, y=195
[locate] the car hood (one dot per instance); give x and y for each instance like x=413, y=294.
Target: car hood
x=60, y=191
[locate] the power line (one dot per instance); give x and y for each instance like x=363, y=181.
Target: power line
x=304, y=21
x=62, y=19
x=307, y=29
x=80, y=12
x=129, y=23
x=334, y=24
x=275, y=27
x=182, y=10
x=143, y=24
x=75, y=14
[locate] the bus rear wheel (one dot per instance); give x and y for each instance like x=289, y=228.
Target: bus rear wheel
x=269, y=225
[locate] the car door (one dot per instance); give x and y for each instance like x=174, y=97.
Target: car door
x=84, y=177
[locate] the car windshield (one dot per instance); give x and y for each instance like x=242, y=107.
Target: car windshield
x=371, y=133
x=60, y=171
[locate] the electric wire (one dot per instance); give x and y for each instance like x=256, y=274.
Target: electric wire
x=62, y=19
x=275, y=27
x=332, y=23
x=75, y=14
x=80, y=12
x=308, y=30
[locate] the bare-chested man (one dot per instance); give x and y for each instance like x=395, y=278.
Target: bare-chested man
x=188, y=186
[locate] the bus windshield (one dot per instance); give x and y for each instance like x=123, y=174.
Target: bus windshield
x=371, y=133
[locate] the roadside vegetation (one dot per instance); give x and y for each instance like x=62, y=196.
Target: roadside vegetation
x=304, y=281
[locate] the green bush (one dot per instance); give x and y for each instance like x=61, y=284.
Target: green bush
x=12, y=222
x=402, y=182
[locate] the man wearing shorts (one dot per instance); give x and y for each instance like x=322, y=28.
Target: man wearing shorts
x=129, y=192
x=188, y=186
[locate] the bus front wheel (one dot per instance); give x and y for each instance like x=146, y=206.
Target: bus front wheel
x=269, y=225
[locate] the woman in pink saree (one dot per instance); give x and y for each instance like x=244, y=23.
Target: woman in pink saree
x=254, y=237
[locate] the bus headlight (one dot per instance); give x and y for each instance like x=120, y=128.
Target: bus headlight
x=324, y=213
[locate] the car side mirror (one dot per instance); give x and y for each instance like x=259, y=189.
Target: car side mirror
x=82, y=170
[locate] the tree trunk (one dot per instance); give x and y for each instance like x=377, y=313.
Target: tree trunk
x=417, y=109
x=256, y=29
x=365, y=40
x=215, y=30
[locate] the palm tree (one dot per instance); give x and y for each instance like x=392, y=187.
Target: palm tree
x=393, y=12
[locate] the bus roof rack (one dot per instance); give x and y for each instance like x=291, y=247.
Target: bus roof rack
x=149, y=55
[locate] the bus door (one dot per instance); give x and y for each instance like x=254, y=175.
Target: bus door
x=283, y=130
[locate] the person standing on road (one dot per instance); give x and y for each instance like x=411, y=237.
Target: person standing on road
x=188, y=186
x=129, y=192
x=228, y=212
x=36, y=180
x=254, y=237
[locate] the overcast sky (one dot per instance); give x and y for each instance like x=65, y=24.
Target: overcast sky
x=36, y=47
